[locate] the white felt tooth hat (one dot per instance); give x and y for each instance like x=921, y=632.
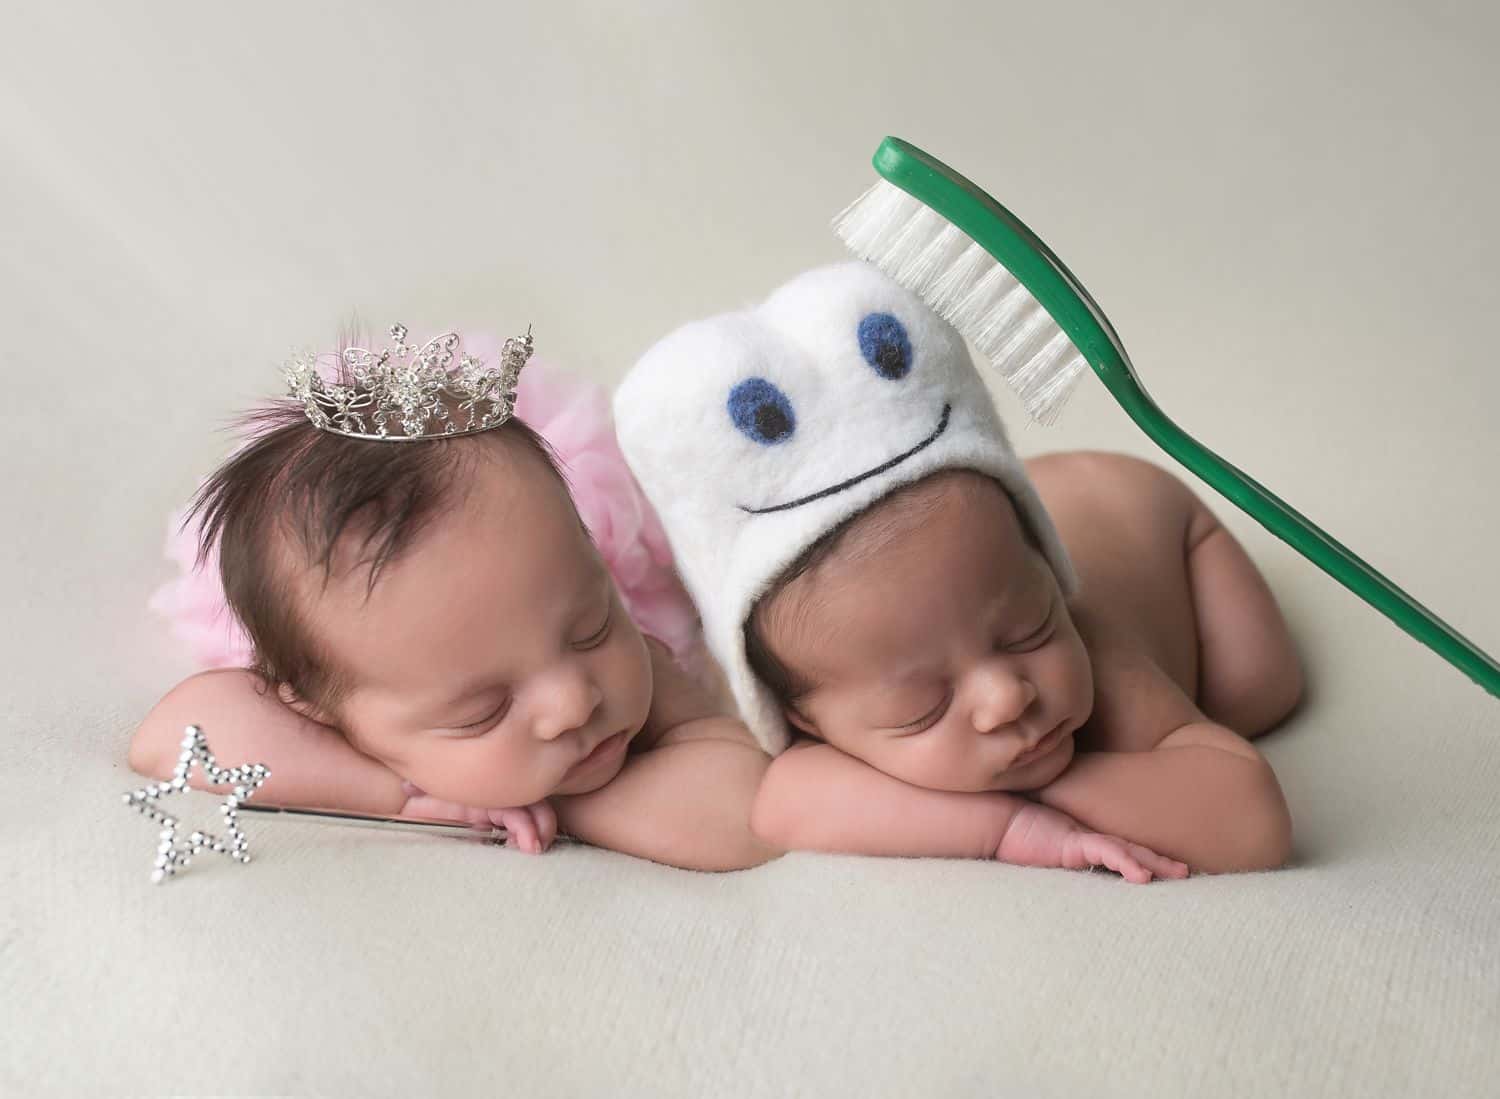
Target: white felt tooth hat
x=754, y=433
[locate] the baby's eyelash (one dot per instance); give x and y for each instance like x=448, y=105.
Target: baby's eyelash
x=930, y=718
x=597, y=638
x=487, y=720
x=1036, y=636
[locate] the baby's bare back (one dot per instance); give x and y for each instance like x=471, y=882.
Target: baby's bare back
x=1128, y=526
x=1161, y=579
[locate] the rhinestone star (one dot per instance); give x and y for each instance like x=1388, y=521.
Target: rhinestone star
x=246, y=779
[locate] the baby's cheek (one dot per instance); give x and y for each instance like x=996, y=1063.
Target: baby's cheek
x=439, y=777
x=476, y=773
x=924, y=759
x=448, y=773
x=630, y=682
x=1080, y=677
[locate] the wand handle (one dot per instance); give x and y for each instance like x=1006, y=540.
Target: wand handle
x=489, y=833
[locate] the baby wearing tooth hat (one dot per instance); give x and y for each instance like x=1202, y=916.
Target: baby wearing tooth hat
x=876, y=572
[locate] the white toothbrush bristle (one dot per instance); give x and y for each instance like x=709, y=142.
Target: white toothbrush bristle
x=1023, y=340
x=951, y=286
x=875, y=217
x=991, y=309
x=939, y=253
x=964, y=285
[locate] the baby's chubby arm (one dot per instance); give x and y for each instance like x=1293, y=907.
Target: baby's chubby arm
x=1154, y=768
x=815, y=797
x=1203, y=795
x=312, y=765
x=685, y=799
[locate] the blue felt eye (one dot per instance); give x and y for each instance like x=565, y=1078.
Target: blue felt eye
x=883, y=343
x=761, y=412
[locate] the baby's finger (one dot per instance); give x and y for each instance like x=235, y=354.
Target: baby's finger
x=546, y=822
x=1116, y=857
x=1131, y=870
x=521, y=831
x=1159, y=865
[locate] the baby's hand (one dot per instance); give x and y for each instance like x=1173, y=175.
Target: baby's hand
x=529, y=828
x=1039, y=836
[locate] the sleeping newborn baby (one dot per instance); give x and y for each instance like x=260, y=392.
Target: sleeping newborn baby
x=1053, y=664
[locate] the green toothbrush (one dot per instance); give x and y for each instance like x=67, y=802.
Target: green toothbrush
x=973, y=261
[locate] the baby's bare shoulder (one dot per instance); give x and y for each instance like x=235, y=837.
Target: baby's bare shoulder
x=682, y=697
x=1136, y=703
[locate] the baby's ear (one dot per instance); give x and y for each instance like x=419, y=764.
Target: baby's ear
x=288, y=696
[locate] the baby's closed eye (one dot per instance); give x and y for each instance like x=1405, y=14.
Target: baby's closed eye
x=468, y=714
x=599, y=634
x=916, y=712
x=1035, y=635
x=490, y=718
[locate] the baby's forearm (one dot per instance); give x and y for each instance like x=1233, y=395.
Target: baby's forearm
x=816, y=798
x=1203, y=795
x=685, y=803
x=312, y=766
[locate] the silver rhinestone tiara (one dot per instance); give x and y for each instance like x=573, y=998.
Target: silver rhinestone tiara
x=403, y=394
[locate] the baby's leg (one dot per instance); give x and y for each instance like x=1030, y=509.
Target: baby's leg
x=1249, y=677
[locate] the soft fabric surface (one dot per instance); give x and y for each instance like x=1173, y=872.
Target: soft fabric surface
x=742, y=427
x=1287, y=213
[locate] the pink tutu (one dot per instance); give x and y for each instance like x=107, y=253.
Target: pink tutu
x=573, y=416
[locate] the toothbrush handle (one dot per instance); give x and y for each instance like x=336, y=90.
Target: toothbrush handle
x=1016, y=248
x=1301, y=533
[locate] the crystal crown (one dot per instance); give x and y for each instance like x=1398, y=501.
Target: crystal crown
x=403, y=393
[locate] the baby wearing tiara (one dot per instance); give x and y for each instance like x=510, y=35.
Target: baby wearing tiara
x=876, y=570
x=436, y=635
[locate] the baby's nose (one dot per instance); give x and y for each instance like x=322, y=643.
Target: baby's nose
x=566, y=702
x=1000, y=698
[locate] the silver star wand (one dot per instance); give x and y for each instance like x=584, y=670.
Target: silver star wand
x=245, y=780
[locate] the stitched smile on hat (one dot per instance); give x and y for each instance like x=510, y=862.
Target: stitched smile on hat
x=942, y=425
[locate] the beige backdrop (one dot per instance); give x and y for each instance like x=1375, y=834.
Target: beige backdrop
x=1288, y=211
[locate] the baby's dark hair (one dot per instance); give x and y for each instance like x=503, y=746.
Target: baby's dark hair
x=294, y=489
x=784, y=683
x=875, y=526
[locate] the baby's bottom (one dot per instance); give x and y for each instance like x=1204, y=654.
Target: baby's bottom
x=1154, y=561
